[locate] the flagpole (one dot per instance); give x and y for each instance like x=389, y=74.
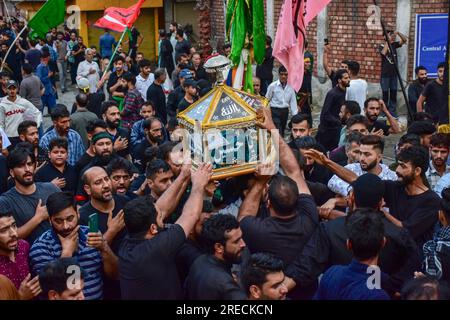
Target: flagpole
x=12, y=45
x=114, y=53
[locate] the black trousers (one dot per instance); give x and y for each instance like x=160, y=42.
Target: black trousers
x=280, y=117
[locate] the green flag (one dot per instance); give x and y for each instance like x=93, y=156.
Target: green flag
x=50, y=15
x=239, y=31
x=259, y=34
x=230, y=16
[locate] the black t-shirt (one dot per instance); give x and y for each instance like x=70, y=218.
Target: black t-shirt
x=95, y=103
x=184, y=104
x=181, y=47
x=388, y=60
x=113, y=78
x=2, y=92
x=377, y=125
x=147, y=268
x=4, y=173
x=282, y=237
x=418, y=214
x=88, y=209
x=83, y=161
x=48, y=172
x=437, y=101
x=122, y=133
x=134, y=37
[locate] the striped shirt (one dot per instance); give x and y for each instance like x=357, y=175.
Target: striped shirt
x=48, y=248
x=76, y=146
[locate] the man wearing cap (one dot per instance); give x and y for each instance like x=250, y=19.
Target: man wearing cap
x=328, y=245
x=191, y=94
x=14, y=109
x=44, y=73
x=90, y=70
x=175, y=97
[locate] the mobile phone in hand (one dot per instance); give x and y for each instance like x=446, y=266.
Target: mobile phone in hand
x=325, y=41
x=93, y=223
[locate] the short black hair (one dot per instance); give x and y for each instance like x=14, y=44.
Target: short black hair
x=172, y=124
x=352, y=107
x=282, y=69
x=340, y=74
x=145, y=63
x=18, y=156
x=119, y=58
x=27, y=68
x=5, y=214
x=129, y=77
x=357, y=118
x=365, y=230
x=417, y=156
x=422, y=127
x=425, y=288
x=55, y=274
x=139, y=215
x=422, y=116
x=215, y=229
x=147, y=124
x=108, y=104
x=58, y=142
x=353, y=67
x=257, y=268
x=60, y=111
x=441, y=65
x=283, y=195
x=98, y=123
x=299, y=118
x=180, y=32
x=24, y=125
x=440, y=140
x=82, y=99
x=119, y=163
x=59, y=201
x=373, y=140
x=306, y=143
x=417, y=69
x=410, y=138
x=154, y=167
x=165, y=149
x=366, y=103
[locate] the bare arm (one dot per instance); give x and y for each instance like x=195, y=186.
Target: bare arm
x=110, y=263
x=395, y=221
x=403, y=38
x=343, y=173
x=420, y=102
x=385, y=49
x=326, y=65
x=194, y=205
x=395, y=127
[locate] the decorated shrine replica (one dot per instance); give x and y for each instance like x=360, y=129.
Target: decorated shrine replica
x=221, y=127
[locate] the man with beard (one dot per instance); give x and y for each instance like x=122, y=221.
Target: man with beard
x=412, y=205
x=439, y=147
x=26, y=201
x=114, y=86
x=28, y=132
x=132, y=103
x=434, y=96
x=153, y=137
x=61, y=122
x=98, y=186
x=424, y=129
x=371, y=154
x=210, y=276
x=120, y=172
x=348, y=109
x=68, y=239
x=57, y=170
x=372, y=109
x=416, y=87
x=263, y=278
x=14, y=258
x=159, y=177
x=137, y=131
x=120, y=136
x=145, y=78
x=300, y=127
x=330, y=124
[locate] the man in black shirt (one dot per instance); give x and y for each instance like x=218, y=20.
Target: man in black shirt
x=114, y=86
x=153, y=137
x=200, y=72
x=435, y=96
x=264, y=70
x=330, y=124
x=416, y=87
x=210, y=276
x=28, y=132
x=120, y=172
x=372, y=109
x=328, y=245
x=155, y=93
x=190, y=96
x=183, y=45
x=328, y=69
x=92, y=128
x=177, y=94
x=388, y=75
x=147, y=268
x=134, y=42
x=57, y=170
x=159, y=177
x=120, y=136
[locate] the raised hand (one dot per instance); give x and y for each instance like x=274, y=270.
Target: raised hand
x=202, y=175
x=29, y=288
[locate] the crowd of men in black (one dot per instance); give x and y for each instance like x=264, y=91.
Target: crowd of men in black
x=334, y=213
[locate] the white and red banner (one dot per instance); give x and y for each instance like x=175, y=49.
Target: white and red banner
x=117, y=19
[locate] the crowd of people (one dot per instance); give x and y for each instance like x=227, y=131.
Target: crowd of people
x=105, y=197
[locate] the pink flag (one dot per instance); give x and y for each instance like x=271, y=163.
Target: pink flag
x=313, y=8
x=290, y=39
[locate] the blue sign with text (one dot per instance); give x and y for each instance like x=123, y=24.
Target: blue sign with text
x=431, y=41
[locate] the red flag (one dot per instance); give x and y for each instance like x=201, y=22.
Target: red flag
x=313, y=8
x=118, y=19
x=289, y=47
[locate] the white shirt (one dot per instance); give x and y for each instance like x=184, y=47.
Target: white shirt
x=5, y=141
x=337, y=185
x=83, y=71
x=143, y=84
x=282, y=98
x=13, y=113
x=357, y=92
